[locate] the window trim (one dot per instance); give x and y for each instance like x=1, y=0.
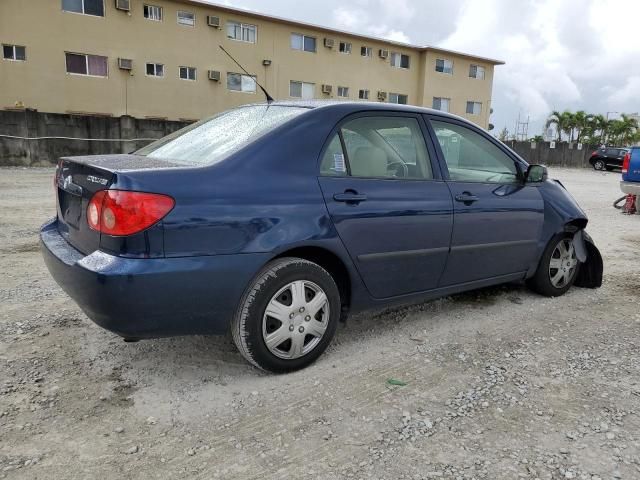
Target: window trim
x=484, y=71
x=13, y=47
x=369, y=51
x=303, y=37
x=242, y=25
x=302, y=83
x=255, y=81
x=155, y=69
x=195, y=73
x=521, y=166
x=443, y=71
x=398, y=95
x=426, y=135
x=400, y=54
x=344, y=89
x=448, y=99
x=160, y=8
x=474, y=104
x=186, y=24
x=368, y=93
x=350, y=49
x=86, y=59
x=104, y=10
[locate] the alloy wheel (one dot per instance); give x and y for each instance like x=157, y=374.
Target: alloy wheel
x=598, y=165
x=295, y=320
x=563, y=263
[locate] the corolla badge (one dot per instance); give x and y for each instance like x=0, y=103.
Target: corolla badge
x=98, y=180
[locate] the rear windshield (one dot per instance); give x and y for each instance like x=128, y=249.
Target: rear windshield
x=214, y=139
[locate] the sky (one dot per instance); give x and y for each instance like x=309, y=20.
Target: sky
x=559, y=54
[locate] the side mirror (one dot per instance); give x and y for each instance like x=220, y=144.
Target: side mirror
x=536, y=174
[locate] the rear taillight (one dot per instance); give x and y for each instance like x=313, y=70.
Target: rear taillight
x=625, y=162
x=594, y=154
x=120, y=212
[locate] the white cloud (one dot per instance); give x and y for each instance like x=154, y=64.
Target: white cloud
x=365, y=17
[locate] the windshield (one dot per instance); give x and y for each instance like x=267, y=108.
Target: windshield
x=214, y=139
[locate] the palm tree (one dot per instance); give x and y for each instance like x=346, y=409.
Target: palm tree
x=581, y=121
x=599, y=124
x=561, y=121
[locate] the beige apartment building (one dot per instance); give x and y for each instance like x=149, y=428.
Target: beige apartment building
x=161, y=59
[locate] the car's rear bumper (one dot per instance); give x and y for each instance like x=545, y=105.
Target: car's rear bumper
x=147, y=298
x=632, y=188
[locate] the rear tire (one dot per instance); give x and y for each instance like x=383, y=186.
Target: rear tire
x=558, y=267
x=287, y=316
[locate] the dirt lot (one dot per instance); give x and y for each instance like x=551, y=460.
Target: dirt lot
x=501, y=383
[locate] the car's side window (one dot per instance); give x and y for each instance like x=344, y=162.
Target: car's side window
x=385, y=147
x=472, y=158
x=333, y=161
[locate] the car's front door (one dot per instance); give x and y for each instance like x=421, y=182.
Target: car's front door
x=497, y=217
x=391, y=211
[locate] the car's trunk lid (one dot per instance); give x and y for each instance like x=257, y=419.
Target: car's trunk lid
x=78, y=179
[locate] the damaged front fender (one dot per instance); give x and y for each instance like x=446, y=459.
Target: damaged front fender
x=591, y=265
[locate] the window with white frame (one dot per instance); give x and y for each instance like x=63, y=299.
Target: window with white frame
x=155, y=69
x=363, y=94
x=239, y=82
x=398, y=98
x=474, y=108
x=345, y=47
x=85, y=7
x=152, y=12
x=343, y=92
x=442, y=104
x=399, y=60
x=186, y=18
x=187, y=73
x=243, y=32
x=303, y=90
x=366, y=51
x=14, y=52
x=444, y=66
x=476, y=71
x=303, y=42
x=84, y=64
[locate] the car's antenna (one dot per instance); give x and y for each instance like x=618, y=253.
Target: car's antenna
x=266, y=94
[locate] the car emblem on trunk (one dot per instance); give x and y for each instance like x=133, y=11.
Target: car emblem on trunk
x=98, y=180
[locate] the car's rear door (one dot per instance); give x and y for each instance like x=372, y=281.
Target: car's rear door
x=387, y=200
x=497, y=218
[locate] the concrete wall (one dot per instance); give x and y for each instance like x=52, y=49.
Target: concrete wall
x=47, y=32
x=563, y=155
x=31, y=123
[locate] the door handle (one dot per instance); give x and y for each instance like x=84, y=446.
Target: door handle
x=466, y=198
x=350, y=197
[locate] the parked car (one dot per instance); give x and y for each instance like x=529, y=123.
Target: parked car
x=630, y=183
x=277, y=220
x=607, y=158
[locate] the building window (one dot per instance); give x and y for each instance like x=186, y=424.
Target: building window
x=399, y=60
x=187, y=18
x=398, y=98
x=152, y=12
x=82, y=64
x=345, y=47
x=363, y=94
x=366, y=51
x=343, y=92
x=474, y=108
x=441, y=104
x=14, y=52
x=155, y=69
x=306, y=91
x=86, y=7
x=188, y=73
x=476, y=71
x=302, y=42
x=242, y=32
x=444, y=66
x=241, y=83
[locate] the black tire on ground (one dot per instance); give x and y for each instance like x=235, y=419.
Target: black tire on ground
x=599, y=165
x=541, y=282
x=251, y=324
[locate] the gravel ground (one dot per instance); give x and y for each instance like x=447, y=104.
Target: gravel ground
x=500, y=383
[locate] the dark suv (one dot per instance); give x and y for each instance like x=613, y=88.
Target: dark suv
x=607, y=158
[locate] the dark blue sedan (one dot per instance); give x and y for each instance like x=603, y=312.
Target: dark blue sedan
x=277, y=220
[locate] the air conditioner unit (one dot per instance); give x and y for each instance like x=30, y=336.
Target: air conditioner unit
x=214, y=75
x=384, y=54
x=327, y=89
x=382, y=96
x=329, y=42
x=213, y=21
x=124, y=5
x=125, y=64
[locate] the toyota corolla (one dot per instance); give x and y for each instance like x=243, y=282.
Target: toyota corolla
x=275, y=221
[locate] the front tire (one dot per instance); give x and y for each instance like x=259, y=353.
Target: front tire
x=599, y=165
x=558, y=267
x=287, y=316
